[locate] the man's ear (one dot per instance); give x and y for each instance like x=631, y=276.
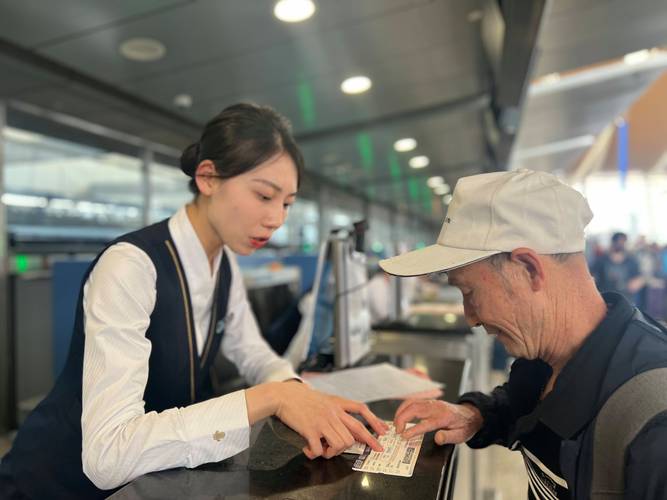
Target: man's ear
x=206, y=177
x=532, y=264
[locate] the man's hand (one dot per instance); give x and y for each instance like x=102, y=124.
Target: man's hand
x=453, y=423
x=325, y=420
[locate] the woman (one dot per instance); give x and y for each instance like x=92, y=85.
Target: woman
x=155, y=307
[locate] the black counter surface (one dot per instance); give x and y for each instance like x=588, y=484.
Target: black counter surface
x=274, y=467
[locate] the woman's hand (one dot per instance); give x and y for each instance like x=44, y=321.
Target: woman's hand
x=453, y=423
x=325, y=420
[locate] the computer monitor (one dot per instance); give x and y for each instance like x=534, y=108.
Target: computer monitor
x=352, y=318
x=336, y=320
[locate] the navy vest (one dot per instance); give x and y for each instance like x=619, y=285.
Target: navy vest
x=45, y=460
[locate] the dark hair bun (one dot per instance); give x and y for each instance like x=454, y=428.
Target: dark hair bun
x=190, y=159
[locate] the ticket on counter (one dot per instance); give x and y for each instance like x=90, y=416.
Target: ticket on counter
x=398, y=458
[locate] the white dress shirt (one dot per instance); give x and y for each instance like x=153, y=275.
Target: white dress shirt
x=120, y=440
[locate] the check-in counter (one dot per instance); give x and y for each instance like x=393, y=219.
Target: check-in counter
x=275, y=467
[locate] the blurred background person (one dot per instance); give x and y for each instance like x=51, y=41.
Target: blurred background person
x=617, y=270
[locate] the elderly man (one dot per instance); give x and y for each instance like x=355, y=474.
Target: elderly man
x=586, y=400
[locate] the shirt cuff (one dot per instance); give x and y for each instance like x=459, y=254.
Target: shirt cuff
x=216, y=429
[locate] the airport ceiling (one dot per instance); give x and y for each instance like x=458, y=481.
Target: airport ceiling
x=450, y=73
x=430, y=72
x=582, y=45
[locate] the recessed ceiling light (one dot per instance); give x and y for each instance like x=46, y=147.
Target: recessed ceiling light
x=442, y=189
x=405, y=144
x=356, y=84
x=419, y=161
x=142, y=49
x=183, y=101
x=294, y=11
x=434, y=182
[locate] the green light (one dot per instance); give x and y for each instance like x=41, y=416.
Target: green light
x=21, y=263
x=365, y=147
x=426, y=198
x=394, y=166
x=413, y=189
x=377, y=247
x=306, y=103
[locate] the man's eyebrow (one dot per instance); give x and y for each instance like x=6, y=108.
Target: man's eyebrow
x=273, y=185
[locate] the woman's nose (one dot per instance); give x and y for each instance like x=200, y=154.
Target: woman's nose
x=275, y=218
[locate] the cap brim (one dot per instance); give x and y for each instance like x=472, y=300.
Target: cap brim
x=432, y=259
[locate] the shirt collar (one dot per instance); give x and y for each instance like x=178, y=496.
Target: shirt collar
x=573, y=402
x=190, y=248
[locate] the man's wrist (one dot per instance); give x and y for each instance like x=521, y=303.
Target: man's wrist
x=475, y=413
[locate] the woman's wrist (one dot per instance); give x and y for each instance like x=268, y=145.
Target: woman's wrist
x=263, y=400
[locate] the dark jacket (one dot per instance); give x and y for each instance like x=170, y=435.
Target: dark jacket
x=624, y=344
x=45, y=460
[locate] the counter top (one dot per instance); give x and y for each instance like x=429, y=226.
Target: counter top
x=275, y=467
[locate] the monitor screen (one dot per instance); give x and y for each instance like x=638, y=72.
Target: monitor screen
x=336, y=319
x=352, y=319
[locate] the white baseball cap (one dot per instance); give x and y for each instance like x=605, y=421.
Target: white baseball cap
x=499, y=212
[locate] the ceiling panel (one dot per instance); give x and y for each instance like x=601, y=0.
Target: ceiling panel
x=209, y=31
x=267, y=74
x=430, y=79
x=18, y=76
x=579, y=111
x=578, y=33
x=402, y=50
x=35, y=23
x=586, y=40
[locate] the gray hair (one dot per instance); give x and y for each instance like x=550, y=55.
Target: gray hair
x=499, y=259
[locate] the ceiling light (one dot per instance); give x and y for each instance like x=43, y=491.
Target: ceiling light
x=447, y=199
x=405, y=144
x=434, y=182
x=183, y=101
x=356, y=84
x=637, y=57
x=419, y=161
x=142, y=49
x=294, y=11
x=440, y=190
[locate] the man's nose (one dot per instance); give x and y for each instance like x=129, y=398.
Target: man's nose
x=471, y=316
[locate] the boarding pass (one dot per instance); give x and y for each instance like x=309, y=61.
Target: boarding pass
x=398, y=458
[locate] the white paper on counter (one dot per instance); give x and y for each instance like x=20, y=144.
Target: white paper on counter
x=372, y=383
